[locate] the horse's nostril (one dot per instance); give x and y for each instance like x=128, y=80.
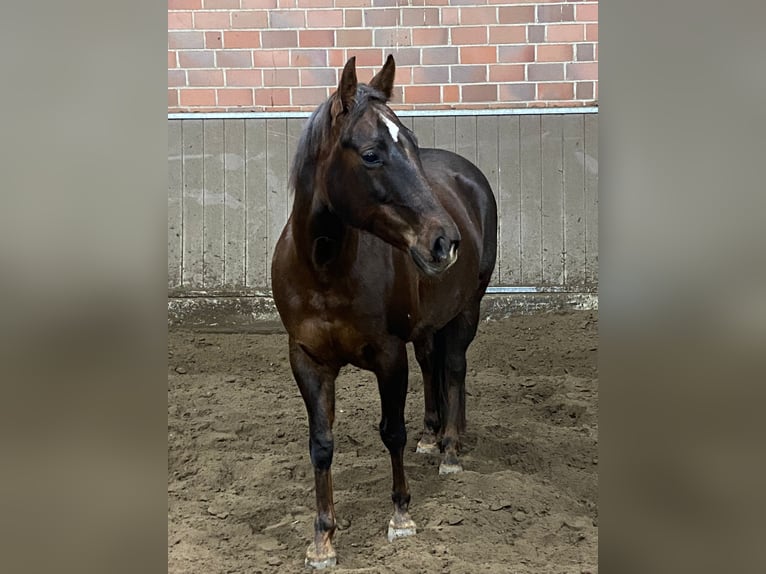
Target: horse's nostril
x=441, y=248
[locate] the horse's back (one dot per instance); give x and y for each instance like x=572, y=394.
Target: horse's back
x=459, y=180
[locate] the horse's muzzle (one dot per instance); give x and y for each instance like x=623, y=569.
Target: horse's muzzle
x=443, y=255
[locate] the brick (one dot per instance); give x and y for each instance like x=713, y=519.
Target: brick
x=468, y=74
x=324, y=18
x=318, y=77
x=376, y=18
x=250, y=19
x=565, y=33
x=516, y=92
x=441, y=55
x=242, y=39
x=478, y=15
x=450, y=16
x=591, y=32
x=535, y=34
x=555, y=13
x=205, y=78
x=172, y=98
x=179, y=20
x=196, y=59
x=308, y=96
x=478, y=55
x=213, y=39
x=271, y=58
x=184, y=4
x=355, y=3
x=554, y=53
x=247, y=4
x=280, y=77
x=430, y=36
x=405, y=57
x=545, y=72
x=389, y=37
x=353, y=38
x=220, y=4
x=507, y=73
x=308, y=58
x=516, y=14
x=582, y=71
x=367, y=57
x=286, y=19
x=466, y=35
x=245, y=78
x=420, y=17
x=211, y=20
x=315, y=4
x=555, y=91
x=337, y=58
x=279, y=38
x=172, y=59
x=272, y=97
x=431, y=75
x=585, y=52
x=197, y=97
x=403, y=74
x=235, y=97
x=353, y=19
x=316, y=38
x=287, y=3
x=587, y=12
x=451, y=94
x=185, y=40
x=516, y=54
x=422, y=94
x=234, y=59
x=584, y=90
x=479, y=93
x=176, y=78
x=507, y=34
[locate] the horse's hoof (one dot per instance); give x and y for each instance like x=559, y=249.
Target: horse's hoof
x=395, y=532
x=427, y=447
x=446, y=468
x=320, y=562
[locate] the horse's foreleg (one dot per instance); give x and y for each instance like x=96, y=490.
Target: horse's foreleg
x=317, y=386
x=392, y=384
x=429, y=352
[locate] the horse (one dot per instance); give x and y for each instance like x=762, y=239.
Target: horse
x=387, y=243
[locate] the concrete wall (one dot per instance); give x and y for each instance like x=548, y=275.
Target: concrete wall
x=228, y=197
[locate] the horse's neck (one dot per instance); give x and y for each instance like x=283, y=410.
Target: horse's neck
x=320, y=233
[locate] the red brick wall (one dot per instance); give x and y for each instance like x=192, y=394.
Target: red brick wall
x=263, y=55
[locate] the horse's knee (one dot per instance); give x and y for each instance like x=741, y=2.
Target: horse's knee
x=321, y=450
x=394, y=436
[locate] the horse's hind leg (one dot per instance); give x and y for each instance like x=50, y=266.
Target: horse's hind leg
x=458, y=335
x=317, y=386
x=429, y=352
x=391, y=371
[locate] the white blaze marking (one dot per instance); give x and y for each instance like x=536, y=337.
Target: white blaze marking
x=393, y=129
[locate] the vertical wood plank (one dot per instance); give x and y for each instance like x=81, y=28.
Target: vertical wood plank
x=487, y=162
x=574, y=202
x=175, y=203
x=257, y=249
x=591, y=199
x=294, y=129
x=531, y=204
x=234, y=202
x=213, y=198
x=193, y=209
x=509, y=190
x=444, y=132
x=465, y=137
x=424, y=129
x=407, y=121
x=276, y=182
x=552, y=206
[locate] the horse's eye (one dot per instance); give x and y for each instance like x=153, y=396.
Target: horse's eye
x=371, y=158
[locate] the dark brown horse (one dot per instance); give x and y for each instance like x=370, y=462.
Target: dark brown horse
x=387, y=243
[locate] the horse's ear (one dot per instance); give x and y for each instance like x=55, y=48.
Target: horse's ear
x=384, y=80
x=347, y=85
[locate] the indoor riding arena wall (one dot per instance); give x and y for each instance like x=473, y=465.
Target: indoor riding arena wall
x=511, y=85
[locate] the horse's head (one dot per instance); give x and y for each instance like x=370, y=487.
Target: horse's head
x=375, y=180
